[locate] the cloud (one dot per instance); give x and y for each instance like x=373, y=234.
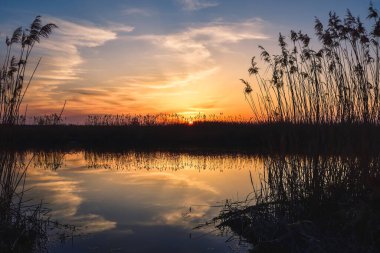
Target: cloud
x=63, y=61
x=167, y=81
x=196, y=43
x=63, y=48
x=119, y=28
x=204, y=106
x=194, y=5
x=87, y=92
x=101, y=69
x=136, y=11
x=195, y=49
x=176, y=63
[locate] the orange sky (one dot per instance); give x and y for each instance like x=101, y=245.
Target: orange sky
x=97, y=70
x=140, y=57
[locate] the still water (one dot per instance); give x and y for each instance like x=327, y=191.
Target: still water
x=140, y=202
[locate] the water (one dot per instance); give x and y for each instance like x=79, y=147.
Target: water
x=140, y=202
x=156, y=202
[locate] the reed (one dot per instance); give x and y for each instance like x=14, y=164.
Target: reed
x=14, y=77
x=310, y=204
x=160, y=119
x=22, y=224
x=25, y=224
x=337, y=83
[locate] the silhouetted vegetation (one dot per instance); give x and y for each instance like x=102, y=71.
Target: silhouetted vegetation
x=310, y=204
x=317, y=102
x=338, y=83
x=14, y=79
x=47, y=120
x=268, y=138
x=23, y=223
x=328, y=98
x=161, y=119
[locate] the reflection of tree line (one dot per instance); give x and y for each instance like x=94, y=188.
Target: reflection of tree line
x=310, y=204
x=163, y=161
x=49, y=160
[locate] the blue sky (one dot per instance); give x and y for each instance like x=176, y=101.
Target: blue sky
x=171, y=12
x=151, y=56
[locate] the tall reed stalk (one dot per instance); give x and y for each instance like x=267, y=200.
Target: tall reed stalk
x=14, y=79
x=337, y=83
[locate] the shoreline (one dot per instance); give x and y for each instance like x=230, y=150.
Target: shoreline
x=272, y=138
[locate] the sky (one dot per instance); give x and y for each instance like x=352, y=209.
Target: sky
x=155, y=56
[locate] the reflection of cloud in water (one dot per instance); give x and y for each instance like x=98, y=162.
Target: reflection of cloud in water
x=140, y=189
x=169, y=181
x=61, y=195
x=164, y=196
x=178, y=189
x=182, y=216
x=91, y=222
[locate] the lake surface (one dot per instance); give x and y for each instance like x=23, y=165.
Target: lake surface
x=188, y=202
x=140, y=202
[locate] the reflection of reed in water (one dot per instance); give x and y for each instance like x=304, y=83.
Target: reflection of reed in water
x=166, y=161
x=310, y=205
x=22, y=224
x=49, y=160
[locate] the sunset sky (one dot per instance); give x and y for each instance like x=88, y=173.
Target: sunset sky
x=155, y=56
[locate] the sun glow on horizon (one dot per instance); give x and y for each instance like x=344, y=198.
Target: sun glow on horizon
x=173, y=71
x=143, y=59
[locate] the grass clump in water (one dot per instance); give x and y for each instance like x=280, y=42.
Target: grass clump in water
x=310, y=204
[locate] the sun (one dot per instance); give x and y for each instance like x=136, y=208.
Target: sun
x=190, y=123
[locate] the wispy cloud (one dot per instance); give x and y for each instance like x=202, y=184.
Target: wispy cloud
x=101, y=69
x=63, y=48
x=117, y=27
x=166, y=81
x=195, y=45
x=136, y=11
x=194, y=5
x=63, y=61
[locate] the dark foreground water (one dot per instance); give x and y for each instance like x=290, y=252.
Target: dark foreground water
x=139, y=202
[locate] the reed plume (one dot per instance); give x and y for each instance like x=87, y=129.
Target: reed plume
x=14, y=81
x=338, y=83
